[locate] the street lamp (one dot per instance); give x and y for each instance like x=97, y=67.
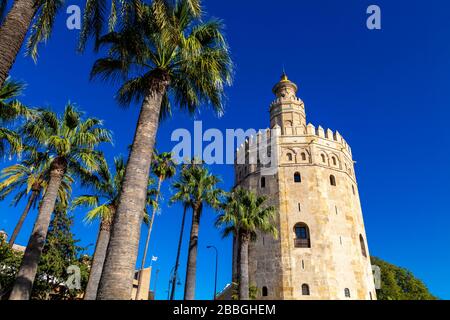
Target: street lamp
x=217, y=260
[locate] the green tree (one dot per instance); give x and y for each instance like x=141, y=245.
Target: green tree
x=244, y=216
x=72, y=144
x=9, y=265
x=163, y=168
x=200, y=190
x=399, y=283
x=60, y=252
x=30, y=179
x=103, y=202
x=162, y=52
x=10, y=110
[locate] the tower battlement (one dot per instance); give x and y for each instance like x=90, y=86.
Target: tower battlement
x=311, y=132
x=314, y=143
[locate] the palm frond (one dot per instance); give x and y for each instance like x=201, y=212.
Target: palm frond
x=243, y=212
x=168, y=37
x=94, y=20
x=43, y=26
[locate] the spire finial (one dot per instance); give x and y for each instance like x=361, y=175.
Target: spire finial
x=284, y=76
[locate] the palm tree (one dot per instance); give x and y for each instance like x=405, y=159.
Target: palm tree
x=245, y=215
x=10, y=110
x=182, y=195
x=163, y=168
x=162, y=52
x=72, y=145
x=103, y=202
x=30, y=179
x=201, y=187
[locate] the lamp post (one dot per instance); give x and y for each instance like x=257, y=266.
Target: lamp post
x=217, y=260
x=173, y=282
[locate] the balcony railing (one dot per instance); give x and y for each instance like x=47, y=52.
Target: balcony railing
x=302, y=243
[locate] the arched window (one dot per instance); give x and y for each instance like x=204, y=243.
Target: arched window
x=289, y=156
x=332, y=180
x=370, y=295
x=297, y=177
x=305, y=290
x=334, y=161
x=323, y=158
x=353, y=189
x=302, y=237
x=303, y=155
x=265, y=292
x=263, y=182
x=347, y=292
x=363, y=246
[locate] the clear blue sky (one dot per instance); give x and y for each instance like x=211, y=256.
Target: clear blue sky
x=385, y=91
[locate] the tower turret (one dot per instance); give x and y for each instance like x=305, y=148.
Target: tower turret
x=287, y=110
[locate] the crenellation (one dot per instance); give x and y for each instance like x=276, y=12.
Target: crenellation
x=320, y=132
x=310, y=129
x=329, y=134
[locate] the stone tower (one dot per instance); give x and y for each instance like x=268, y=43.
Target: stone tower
x=321, y=251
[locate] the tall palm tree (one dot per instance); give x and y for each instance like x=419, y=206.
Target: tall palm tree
x=163, y=168
x=10, y=110
x=182, y=195
x=30, y=179
x=245, y=215
x=163, y=52
x=103, y=202
x=72, y=144
x=202, y=191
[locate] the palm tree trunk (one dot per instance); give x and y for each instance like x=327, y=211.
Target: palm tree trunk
x=98, y=260
x=177, y=261
x=235, y=271
x=243, y=267
x=27, y=272
x=189, y=289
x=13, y=32
x=19, y=224
x=150, y=228
x=118, y=272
